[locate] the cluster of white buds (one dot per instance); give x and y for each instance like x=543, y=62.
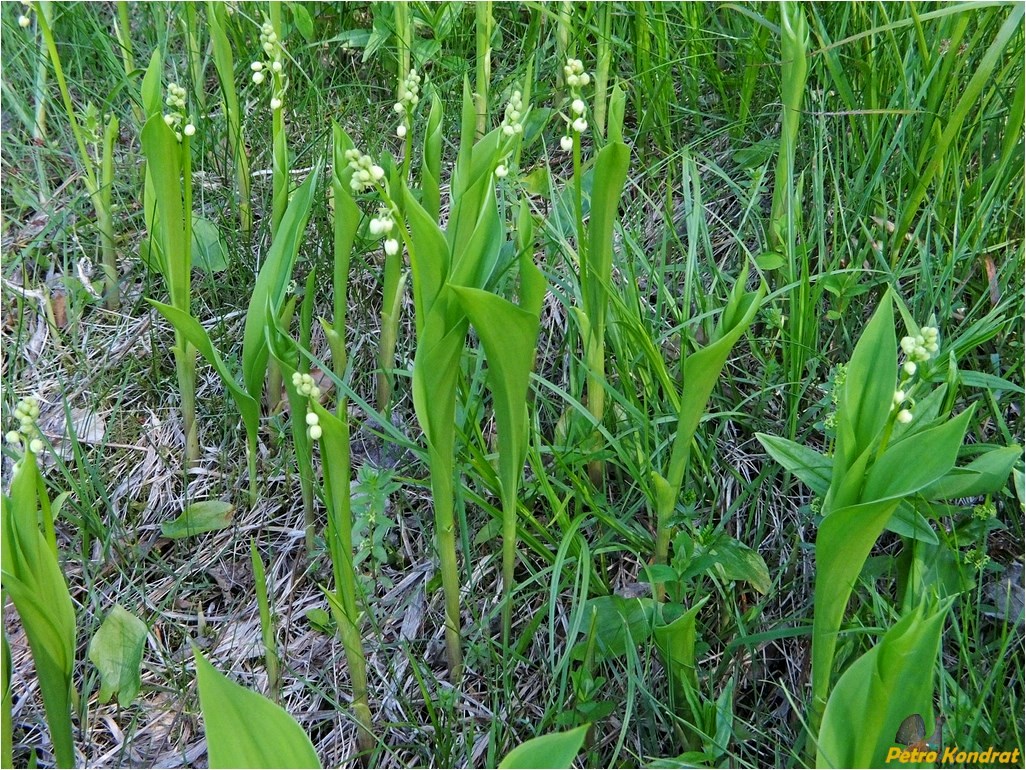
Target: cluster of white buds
x=575, y=75
x=920, y=348
x=511, y=119
x=577, y=123
x=175, y=118
x=26, y=413
x=383, y=224
x=313, y=428
x=365, y=172
x=305, y=385
x=273, y=67
x=904, y=415
x=409, y=96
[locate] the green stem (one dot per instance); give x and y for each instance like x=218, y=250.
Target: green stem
x=604, y=55
x=483, y=62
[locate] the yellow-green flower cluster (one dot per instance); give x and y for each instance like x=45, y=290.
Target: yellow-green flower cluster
x=175, y=117
x=366, y=173
x=27, y=434
x=272, y=67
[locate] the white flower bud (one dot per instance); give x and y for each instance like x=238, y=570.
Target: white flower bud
x=908, y=344
x=258, y=77
x=904, y=416
x=377, y=173
x=507, y=130
x=312, y=418
x=580, y=125
x=391, y=247
x=501, y=171
x=400, y=131
x=36, y=445
x=169, y=119
x=268, y=47
x=189, y=130
x=398, y=107
x=375, y=226
x=573, y=81
x=567, y=143
x=256, y=66
x=899, y=397
x=314, y=432
x=13, y=437
x=296, y=378
x=24, y=21
x=909, y=367
x=276, y=66
x=275, y=103
x=584, y=78
x=578, y=106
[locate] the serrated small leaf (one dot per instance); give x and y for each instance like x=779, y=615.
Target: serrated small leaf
x=204, y=516
x=116, y=650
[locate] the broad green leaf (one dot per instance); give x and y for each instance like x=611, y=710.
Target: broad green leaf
x=908, y=465
x=197, y=336
x=429, y=260
x=34, y=581
x=209, y=249
x=617, y=108
x=984, y=475
x=879, y=690
x=770, y=260
x=619, y=623
x=116, y=650
x=197, y=518
x=807, y=464
x=676, y=644
x=610, y=175
x=271, y=282
x=152, y=101
x=164, y=166
x=431, y=168
x=555, y=751
x=908, y=522
x=845, y=538
x=868, y=391
x=304, y=23
x=244, y=729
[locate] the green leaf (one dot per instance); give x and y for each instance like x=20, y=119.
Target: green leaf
x=204, y=516
x=271, y=283
x=610, y=175
x=676, y=644
x=619, y=623
x=984, y=475
x=807, y=464
x=908, y=522
x=244, y=729
x=209, y=248
x=907, y=466
x=116, y=650
x=879, y=690
x=555, y=751
x=304, y=23
x=190, y=328
x=34, y=581
x=845, y=538
x=164, y=169
x=865, y=401
x=770, y=260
